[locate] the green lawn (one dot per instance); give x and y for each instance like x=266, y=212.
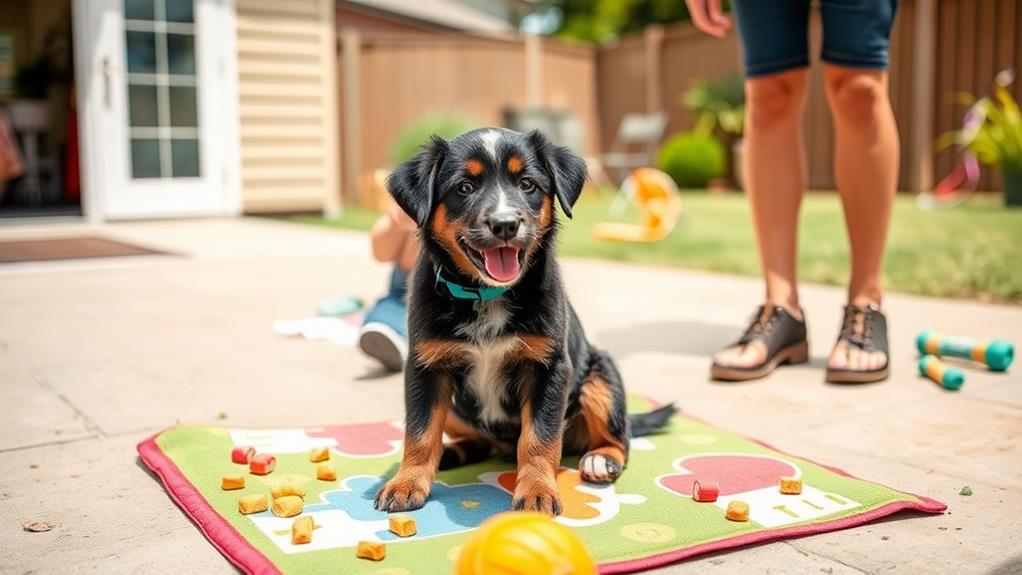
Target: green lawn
x=973, y=251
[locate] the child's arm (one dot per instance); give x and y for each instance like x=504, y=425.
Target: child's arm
x=390, y=233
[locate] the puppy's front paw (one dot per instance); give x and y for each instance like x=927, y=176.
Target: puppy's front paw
x=599, y=468
x=402, y=493
x=535, y=496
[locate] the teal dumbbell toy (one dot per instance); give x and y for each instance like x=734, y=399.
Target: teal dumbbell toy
x=947, y=376
x=997, y=354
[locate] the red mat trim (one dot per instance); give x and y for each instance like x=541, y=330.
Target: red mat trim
x=217, y=530
x=241, y=553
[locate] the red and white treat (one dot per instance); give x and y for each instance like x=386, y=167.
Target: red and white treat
x=243, y=454
x=262, y=464
x=705, y=492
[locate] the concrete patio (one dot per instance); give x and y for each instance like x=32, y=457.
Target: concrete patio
x=96, y=355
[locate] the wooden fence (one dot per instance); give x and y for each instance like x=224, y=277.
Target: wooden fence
x=951, y=46
x=387, y=82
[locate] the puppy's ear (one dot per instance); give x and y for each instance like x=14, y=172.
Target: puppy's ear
x=413, y=184
x=567, y=170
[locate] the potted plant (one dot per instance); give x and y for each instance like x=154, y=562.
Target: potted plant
x=719, y=105
x=993, y=132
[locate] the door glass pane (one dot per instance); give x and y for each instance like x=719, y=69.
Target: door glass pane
x=181, y=53
x=141, y=52
x=182, y=107
x=145, y=158
x=140, y=9
x=186, y=158
x=179, y=11
x=142, y=110
x=162, y=86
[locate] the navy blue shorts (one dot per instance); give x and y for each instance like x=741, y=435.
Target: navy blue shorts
x=775, y=33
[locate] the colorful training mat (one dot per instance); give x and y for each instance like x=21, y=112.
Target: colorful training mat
x=644, y=520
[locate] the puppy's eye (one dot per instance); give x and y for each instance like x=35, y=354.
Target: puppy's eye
x=528, y=186
x=465, y=188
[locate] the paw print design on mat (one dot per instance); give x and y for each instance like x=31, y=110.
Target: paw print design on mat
x=346, y=516
x=754, y=480
x=584, y=503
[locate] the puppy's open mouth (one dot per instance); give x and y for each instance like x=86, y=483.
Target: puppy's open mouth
x=503, y=264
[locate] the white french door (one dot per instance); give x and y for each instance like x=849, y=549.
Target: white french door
x=157, y=92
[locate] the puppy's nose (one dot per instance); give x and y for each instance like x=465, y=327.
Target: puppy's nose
x=504, y=226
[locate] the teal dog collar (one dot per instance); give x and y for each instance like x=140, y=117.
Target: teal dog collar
x=459, y=291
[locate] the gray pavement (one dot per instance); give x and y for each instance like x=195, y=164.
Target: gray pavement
x=96, y=355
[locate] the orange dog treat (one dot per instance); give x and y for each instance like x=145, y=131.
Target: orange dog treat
x=402, y=525
x=326, y=472
x=301, y=530
x=791, y=485
x=705, y=491
x=285, y=490
x=288, y=506
x=228, y=482
x=252, y=503
x=317, y=454
x=737, y=511
x=242, y=454
x=371, y=550
x=262, y=464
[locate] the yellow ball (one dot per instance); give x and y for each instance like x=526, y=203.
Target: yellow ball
x=519, y=542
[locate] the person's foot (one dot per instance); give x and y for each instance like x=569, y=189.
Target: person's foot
x=860, y=353
x=774, y=337
x=383, y=343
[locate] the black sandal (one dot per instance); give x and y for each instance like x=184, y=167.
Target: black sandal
x=864, y=328
x=784, y=338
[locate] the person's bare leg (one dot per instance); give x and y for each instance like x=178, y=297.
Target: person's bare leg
x=775, y=178
x=866, y=171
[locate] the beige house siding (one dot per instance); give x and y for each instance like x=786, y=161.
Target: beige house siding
x=288, y=105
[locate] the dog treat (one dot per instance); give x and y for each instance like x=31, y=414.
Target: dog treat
x=996, y=354
x=737, y=511
x=791, y=485
x=949, y=377
x=286, y=490
x=242, y=454
x=402, y=525
x=326, y=472
x=288, y=506
x=262, y=464
x=301, y=530
x=705, y=491
x=253, y=503
x=228, y=482
x=317, y=454
x=371, y=550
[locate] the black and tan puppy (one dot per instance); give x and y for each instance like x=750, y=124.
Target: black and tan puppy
x=497, y=357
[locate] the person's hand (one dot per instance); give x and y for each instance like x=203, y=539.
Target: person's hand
x=708, y=17
x=400, y=218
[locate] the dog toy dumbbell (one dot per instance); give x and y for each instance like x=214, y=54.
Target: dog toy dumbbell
x=947, y=376
x=997, y=354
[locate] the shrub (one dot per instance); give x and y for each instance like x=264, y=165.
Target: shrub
x=693, y=159
x=415, y=135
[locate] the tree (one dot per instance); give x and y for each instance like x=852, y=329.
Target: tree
x=601, y=21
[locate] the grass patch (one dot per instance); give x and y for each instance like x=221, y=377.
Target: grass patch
x=972, y=251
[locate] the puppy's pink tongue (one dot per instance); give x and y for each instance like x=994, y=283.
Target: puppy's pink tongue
x=502, y=263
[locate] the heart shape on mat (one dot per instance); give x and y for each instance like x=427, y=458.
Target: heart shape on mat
x=733, y=473
x=363, y=439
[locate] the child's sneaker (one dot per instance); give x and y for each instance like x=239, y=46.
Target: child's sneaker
x=381, y=342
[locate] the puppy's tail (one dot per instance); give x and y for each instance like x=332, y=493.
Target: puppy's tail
x=650, y=422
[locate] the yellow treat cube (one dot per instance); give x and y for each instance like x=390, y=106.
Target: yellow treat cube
x=288, y=506
x=317, y=454
x=326, y=472
x=737, y=511
x=791, y=485
x=286, y=490
x=402, y=525
x=301, y=530
x=252, y=503
x=229, y=482
x=371, y=550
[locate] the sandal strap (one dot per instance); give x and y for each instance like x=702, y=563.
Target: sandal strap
x=864, y=328
x=775, y=328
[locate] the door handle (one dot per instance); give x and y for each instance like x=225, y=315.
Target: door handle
x=108, y=70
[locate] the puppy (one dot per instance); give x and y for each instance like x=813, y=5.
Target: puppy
x=497, y=357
